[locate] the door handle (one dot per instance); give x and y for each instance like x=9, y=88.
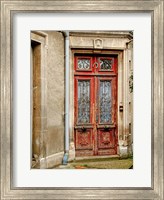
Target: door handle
x=83, y=129
x=85, y=126
x=95, y=65
x=110, y=126
x=106, y=128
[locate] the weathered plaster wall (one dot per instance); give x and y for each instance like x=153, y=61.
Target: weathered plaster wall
x=55, y=93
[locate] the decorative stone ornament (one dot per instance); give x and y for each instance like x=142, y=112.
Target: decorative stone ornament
x=98, y=43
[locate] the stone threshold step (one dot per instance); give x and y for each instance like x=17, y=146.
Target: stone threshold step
x=95, y=157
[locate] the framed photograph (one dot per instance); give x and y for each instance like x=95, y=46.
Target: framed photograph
x=82, y=99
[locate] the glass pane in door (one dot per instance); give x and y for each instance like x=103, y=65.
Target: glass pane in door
x=83, y=101
x=105, y=101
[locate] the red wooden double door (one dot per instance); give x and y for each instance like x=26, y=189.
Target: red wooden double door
x=95, y=100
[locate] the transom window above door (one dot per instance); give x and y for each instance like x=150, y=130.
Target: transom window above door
x=84, y=64
x=95, y=64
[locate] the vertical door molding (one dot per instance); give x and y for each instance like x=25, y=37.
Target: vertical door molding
x=120, y=99
x=42, y=40
x=124, y=147
x=71, y=108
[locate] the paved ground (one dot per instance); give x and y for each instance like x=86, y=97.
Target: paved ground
x=104, y=163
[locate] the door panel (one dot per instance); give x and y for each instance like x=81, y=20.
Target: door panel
x=106, y=123
x=105, y=138
x=84, y=115
x=95, y=105
x=106, y=141
x=84, y=100
x=84, y=141
x=84, y=138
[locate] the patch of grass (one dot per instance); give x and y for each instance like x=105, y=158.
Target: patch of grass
x=104, y=164
x=121, y=164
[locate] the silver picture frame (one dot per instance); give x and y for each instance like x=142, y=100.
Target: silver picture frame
x=156, y=8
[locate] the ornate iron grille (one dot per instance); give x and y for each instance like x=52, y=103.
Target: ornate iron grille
x=84, y=64
x=105, y=101
x=105, y=64
x=83, y=101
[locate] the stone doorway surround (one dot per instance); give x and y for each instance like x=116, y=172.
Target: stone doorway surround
x=115, y=43
x=38, y=97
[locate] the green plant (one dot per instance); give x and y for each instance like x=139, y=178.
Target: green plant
x=131, y=83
